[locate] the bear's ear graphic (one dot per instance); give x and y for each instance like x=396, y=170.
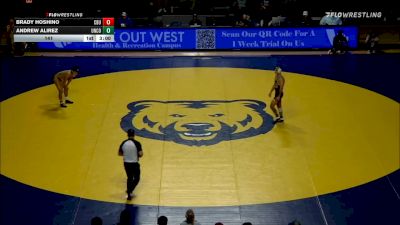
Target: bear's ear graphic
x=253, y=104
x=137, y=106
x=247, y=115
x=148, y=116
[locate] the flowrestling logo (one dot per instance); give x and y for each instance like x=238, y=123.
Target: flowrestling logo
x=355, y=15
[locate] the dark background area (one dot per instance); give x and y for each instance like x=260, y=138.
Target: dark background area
x=138, y=8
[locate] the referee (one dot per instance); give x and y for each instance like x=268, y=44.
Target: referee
x=131, y=150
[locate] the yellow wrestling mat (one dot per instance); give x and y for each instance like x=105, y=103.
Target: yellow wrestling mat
x=335, y=136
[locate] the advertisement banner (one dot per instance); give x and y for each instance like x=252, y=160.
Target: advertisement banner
x=283, y=38
x=214, y=39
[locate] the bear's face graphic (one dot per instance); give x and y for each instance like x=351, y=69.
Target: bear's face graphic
x=197, y=123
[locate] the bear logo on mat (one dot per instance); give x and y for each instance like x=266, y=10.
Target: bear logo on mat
x=197, y=123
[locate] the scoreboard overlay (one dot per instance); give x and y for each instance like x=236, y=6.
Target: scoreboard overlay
x=64, y=29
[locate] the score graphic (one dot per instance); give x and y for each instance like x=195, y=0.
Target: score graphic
x=108, y=22
x=64, y=30
x=108, y=25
